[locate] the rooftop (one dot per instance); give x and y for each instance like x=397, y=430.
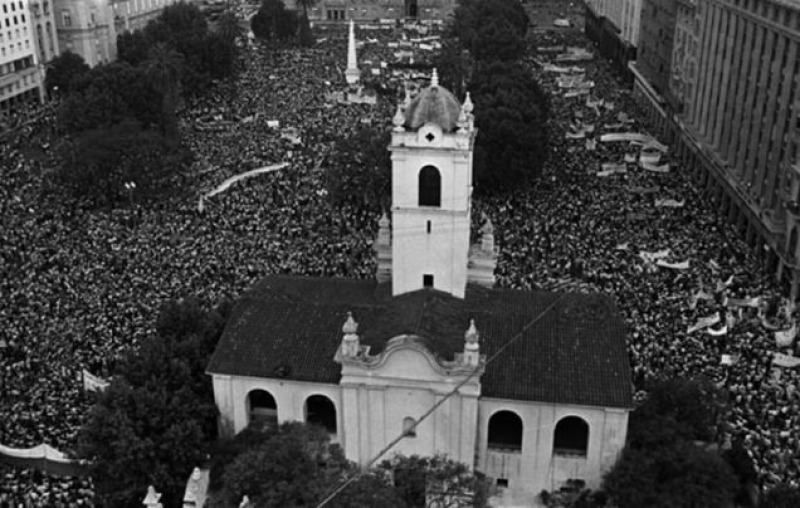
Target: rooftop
x=290, y=327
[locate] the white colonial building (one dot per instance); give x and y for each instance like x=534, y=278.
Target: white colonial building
x=539, y=401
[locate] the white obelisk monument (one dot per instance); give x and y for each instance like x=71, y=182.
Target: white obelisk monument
x=351, y=74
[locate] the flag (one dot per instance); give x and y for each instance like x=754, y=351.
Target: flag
x=670, y=203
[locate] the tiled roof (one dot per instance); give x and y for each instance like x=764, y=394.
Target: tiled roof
x=290, y=327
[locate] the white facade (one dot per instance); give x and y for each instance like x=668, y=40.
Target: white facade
x=431, y=240
x=625, y=14
x=20, y=76
x=376, y=397
x=44, y=27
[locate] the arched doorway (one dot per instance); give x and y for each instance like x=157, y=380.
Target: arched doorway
x=505, y=432
x=411, y=9
x=321, y=411
x=571, y=437
x=262, y=409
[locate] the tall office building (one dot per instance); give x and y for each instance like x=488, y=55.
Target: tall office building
x=614, y=26
x=44, y=27
x=656, y=40
x=736, y=121
x=20, y=79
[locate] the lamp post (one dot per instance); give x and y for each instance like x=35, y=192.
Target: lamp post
x=130, y=187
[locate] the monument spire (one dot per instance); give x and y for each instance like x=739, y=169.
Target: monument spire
x=351, y=74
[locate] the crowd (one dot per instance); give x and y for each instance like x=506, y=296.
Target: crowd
x=79, y=287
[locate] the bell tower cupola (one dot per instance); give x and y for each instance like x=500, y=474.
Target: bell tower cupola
x=432, y=145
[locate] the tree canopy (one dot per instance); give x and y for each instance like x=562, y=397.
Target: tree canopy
x=661, y=465
x=511, y=114
x=274, y=21
x=156, y=421
x=63, y=71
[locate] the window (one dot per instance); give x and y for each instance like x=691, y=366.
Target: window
x=430, y=187
x=502, y=483
x=505, y=432
x=571, y=437
x=65, y=16
x=262, y=409
x=428, y=226
x=427, y=281
x=409, y=429
x=321, y=411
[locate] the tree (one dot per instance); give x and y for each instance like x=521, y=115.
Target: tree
x=163, y=67
x=292, y=465
x=274, y=21
x=678, y=475
x=96, y=163
x=360, y=172
x=151, y=427
x=454, y=66
x=304, y=35
x=782, y=496
x=472, y=16
x=306, y=5
x=511, y=114
x=436, y=480
x=696, y=405
x=496, y=40
x=228, y=27
x=63, y=71
x=107, y=95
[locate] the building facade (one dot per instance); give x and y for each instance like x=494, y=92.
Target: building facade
x=44, y=26
x=655, y=47
x=20, y=76
x=405, y=355
x=736, y=77
x=614, y=26
x=86, y=28
x=375, y=11
x=89, y=28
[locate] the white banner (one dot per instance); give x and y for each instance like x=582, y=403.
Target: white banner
x=664, y=168
x=718, y=332
x=651, y=257
x=788, y=361
x=683, y=265
x=729, y=359
x=670, y=203
x=705, y=323
x=92, y=383
x=784, y=338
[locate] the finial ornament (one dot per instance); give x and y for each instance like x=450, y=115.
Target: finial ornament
x=350, y=326
x=468, y=106
x=399, y=119
x=462, y=123
x=384, y=221
x=471, y=336
x=245, y=502
x=152, y=499
x=435, y=78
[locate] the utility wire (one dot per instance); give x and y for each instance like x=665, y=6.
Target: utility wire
x=433, y=408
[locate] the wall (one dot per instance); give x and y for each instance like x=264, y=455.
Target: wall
x=538, y=468
x=654, y=51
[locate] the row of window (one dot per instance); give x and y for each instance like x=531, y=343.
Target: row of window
x=16, y=34
x=12, y=48
x=13, y=7
x=15, y=20
x=571, y=435
x=16, y=65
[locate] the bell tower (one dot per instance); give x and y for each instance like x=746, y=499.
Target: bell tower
x=432, y=146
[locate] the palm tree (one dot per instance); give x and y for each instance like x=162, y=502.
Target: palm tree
x=163, y=67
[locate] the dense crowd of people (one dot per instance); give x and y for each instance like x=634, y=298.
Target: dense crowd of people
x=80, y=287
